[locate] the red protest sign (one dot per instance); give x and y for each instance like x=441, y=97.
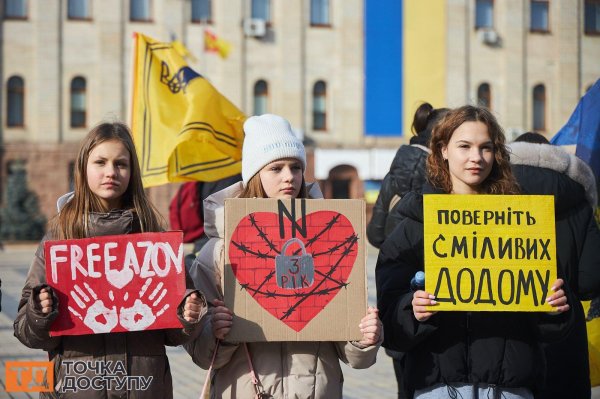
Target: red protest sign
x=117, y=283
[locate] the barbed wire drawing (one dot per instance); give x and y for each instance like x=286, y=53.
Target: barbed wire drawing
x=328, y=254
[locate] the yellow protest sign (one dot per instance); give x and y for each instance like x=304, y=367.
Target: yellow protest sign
x=490, y=252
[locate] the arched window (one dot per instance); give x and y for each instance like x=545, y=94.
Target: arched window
x=139, y=10
x=15, y=102
x=16, y=9
x=319, y=106
x=261, y=93
x=343, y=182
x=202, y=11
x=261, y=9
x=539, y=108
x=319, y=12
x=78, y=102
x=484, y=96
x=79, y=9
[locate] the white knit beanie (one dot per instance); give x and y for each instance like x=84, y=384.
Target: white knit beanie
x=268, y=138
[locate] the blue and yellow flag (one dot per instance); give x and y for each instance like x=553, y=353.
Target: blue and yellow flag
x=583, y=129
x=395, y=88
x=183, y=128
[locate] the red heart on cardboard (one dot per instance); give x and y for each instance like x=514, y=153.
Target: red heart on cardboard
x=256, y=246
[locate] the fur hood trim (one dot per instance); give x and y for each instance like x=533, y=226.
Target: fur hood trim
x=555, y=158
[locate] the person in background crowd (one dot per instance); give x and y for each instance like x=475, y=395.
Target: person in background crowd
x=108, y=199
x=186, y=211
x=407, y=173
x=460, y=354
x=273, y=164
x=542, y=168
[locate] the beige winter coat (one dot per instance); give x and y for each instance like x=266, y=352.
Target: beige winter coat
x=285, y=369
x=142, y=353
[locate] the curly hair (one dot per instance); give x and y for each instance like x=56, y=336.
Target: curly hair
x=500, y=179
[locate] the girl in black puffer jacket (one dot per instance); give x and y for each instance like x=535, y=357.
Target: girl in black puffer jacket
x=461, y=354
x=542, y=168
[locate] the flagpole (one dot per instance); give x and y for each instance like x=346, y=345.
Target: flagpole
x=133, y=80
x=203, y=71
x=243, y=60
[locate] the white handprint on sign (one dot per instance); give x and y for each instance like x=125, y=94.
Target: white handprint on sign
x=98, y=317
x=141, y=315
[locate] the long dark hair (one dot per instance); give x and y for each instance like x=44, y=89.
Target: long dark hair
x=425, y=119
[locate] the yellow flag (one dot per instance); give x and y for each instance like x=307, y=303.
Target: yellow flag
x=212, y=43
x=183, y=128
x=592, y=311
x=183, y=50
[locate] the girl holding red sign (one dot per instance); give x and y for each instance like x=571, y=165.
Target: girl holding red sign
x=273, y=164
x=461, y=354
x=109, y=199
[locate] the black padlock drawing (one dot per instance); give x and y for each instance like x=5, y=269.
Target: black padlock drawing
x=294, y=271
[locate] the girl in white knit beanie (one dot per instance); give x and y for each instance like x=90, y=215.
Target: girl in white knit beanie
x=273, y=165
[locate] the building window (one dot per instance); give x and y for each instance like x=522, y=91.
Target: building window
x=78, y=109
x=319, y=12
x=202, y=11
x=592, y=17
x=539, y=16
x=319, y=108
x=261, y=9
x=484, y=96
x=79, y=9
x=261, y=93
x=15, y=102
x=539, y=108
x=139, y=10
x=484, y=14
x=16, y=9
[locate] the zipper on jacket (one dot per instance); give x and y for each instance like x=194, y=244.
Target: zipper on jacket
x=468, y=337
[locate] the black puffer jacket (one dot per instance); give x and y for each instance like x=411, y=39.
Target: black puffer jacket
x=547, y=169
x=407, y=173
x=500, y=348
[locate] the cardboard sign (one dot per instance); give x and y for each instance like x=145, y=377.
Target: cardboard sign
x=490, y=252
x=295, y=269
x=117, y=283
